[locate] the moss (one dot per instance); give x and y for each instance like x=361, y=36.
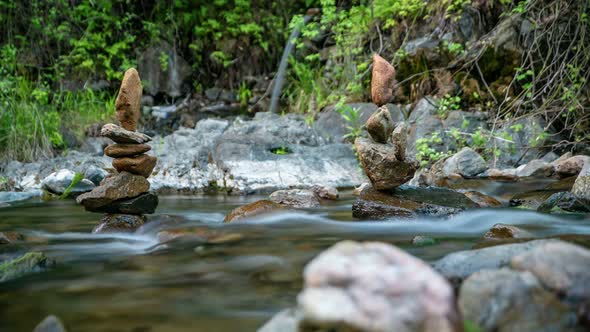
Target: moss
x=27, y=263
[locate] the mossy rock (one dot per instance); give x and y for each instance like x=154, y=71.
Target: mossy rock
x=27, y=263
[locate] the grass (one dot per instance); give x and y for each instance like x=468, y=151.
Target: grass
x=33, y=117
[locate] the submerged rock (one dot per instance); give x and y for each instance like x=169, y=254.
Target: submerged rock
x=482, y=200
x=253, y=209
x=143, y=204
x=285, y=321
x=505, y=300
x=50, y=324
x=501, y=175
x=123, y=136
x=381, y=165
x=466, y=163
x=15, y=196
x=25, y=264
x=116, y=223
x=565, y=201
x=374, y=287
x=10, y=237
x=295, y=198
x=116, y=187
x=58, y=182
x=502, y=231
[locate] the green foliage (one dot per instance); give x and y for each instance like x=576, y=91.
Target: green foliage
x=77, y=178
x=281, y=151
x=447, y=104
x=244, y=94
x=469, y=326
x=426, y=152
x=352, y=117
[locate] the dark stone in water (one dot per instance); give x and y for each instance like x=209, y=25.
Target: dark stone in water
x=113, y=223
x=116, y=187
x=142, y=204
x=501, y=231
x=27, y=263
x=50, y=324
x=407, y=202
x=251, y=210
x=565, y=201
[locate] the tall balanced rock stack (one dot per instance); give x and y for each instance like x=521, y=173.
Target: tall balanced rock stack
x=125, y=196
x=383, y=154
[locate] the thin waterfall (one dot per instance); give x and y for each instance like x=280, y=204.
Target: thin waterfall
x=280, y=76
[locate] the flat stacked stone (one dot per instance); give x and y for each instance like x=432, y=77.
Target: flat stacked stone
x=383, y=153
x=125, y=196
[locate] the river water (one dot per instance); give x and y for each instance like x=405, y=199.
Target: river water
x=234, y=282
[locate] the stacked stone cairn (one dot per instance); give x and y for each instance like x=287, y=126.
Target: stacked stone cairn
x=124, y=196
x=383, y=153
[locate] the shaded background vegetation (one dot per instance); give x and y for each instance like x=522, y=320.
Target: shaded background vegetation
x=60, y=61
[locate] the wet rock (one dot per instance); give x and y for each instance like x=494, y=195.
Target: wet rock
x=50, y=324
x=502, y=231
x=123, y=136
x=383, y=77
x=243, y=160
x=126, y=150
x=501, y=175
x=119, y=223
x=535, y=167
x=380, y=125
x=581, y=188
x=10, y=237
x=14, y=196
x=285, y=321
x=550, y=157
x=466, y=163
x=253, y=209
x=399, y=138
x=58, y=182
x=420, y=240
x=506, y=300
x=459, y=265
x=482, y=200
x=128, y=102
x=570, y=166
x=560, y=266
x=407, y=202
x=141, y=165
x=369, y=287
x=142, y=204
x=170, y=79
x=326, y=192
x=95, y=174
x=116, y=187
x=358, y=190
x=381, y=165
x=565, y=201
x=295, y=198
x=28, y=263
x=205, y=235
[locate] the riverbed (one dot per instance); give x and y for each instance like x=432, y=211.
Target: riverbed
x=228, y=277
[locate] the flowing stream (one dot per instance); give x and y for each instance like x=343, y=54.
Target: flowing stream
x=131, y=282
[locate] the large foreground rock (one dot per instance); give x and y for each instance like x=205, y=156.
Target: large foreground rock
x=381, y=165
x=374, y=287
x=506, y=300
x=120, y=186
x=560, y=266
x=459, y=265
x=50, y=324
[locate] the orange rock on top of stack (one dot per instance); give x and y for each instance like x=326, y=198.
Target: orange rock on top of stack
x=125, y=196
